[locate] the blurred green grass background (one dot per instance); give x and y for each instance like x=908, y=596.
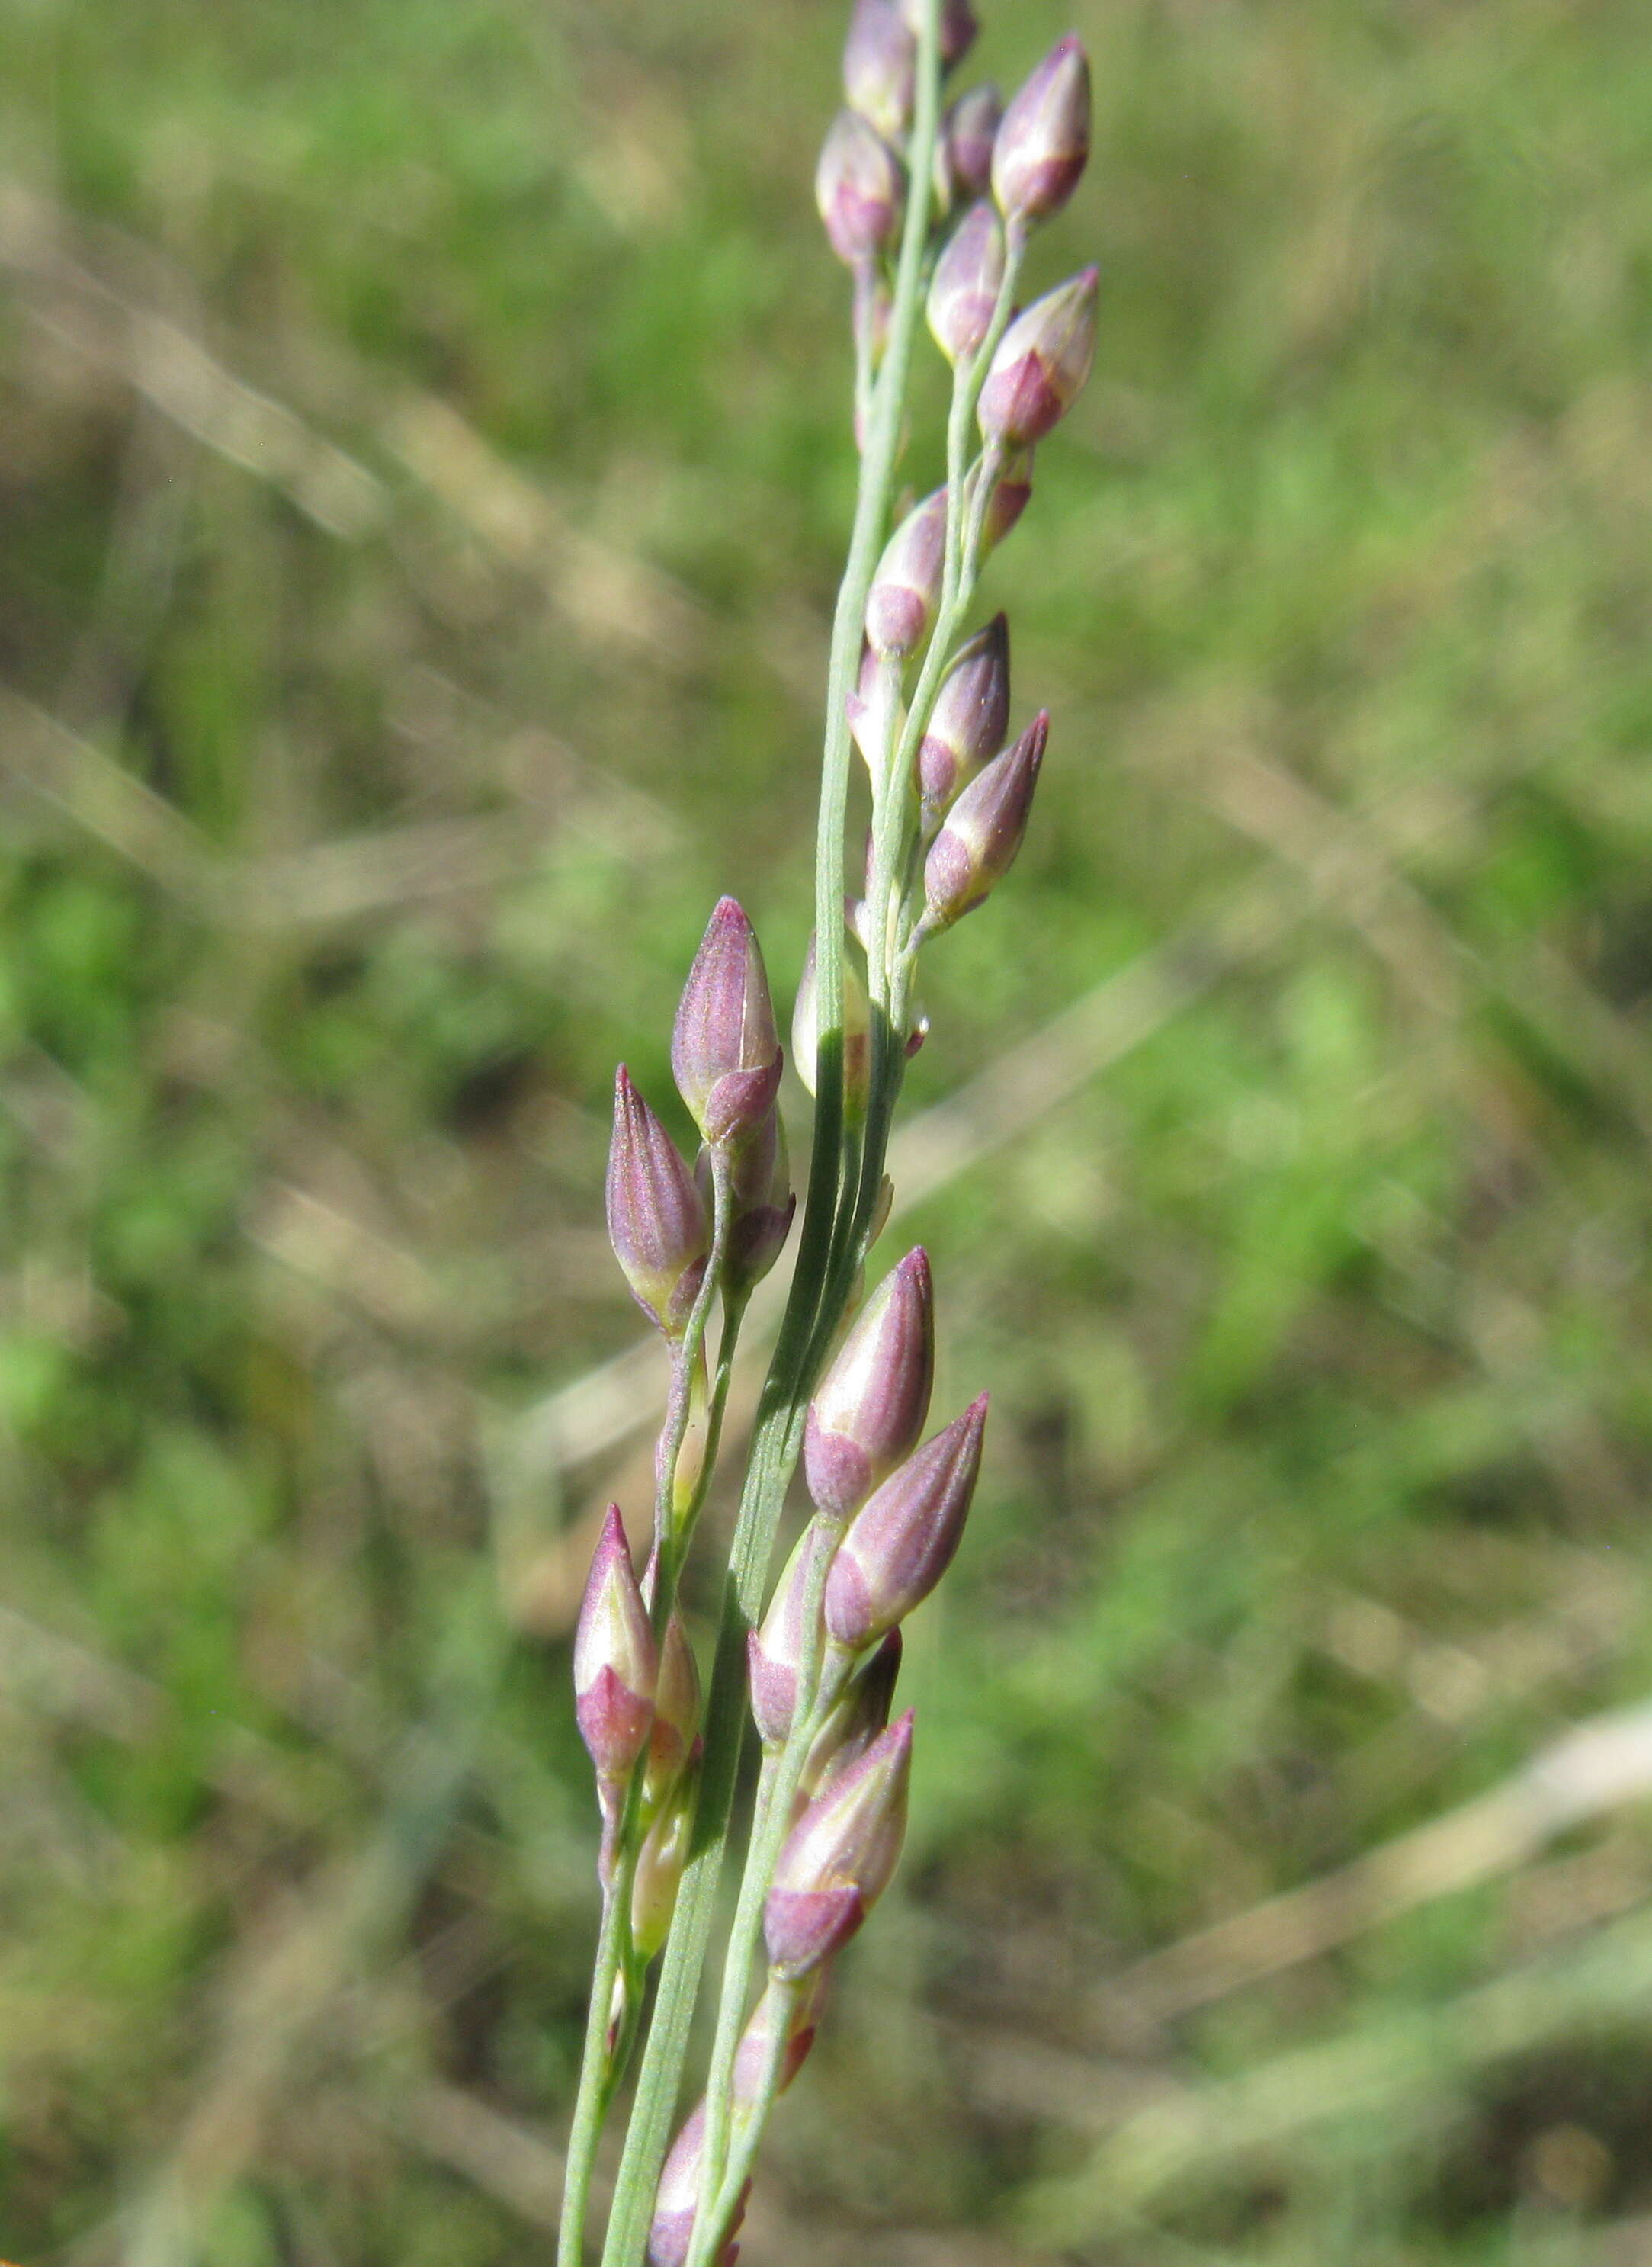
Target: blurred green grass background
x=422, y=449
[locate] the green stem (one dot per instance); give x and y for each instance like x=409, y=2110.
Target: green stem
x=602, y=2062
x=810, y=1315
x=888, y=972
x=590, y=2100
x=748, y=2135
x=819, y=1685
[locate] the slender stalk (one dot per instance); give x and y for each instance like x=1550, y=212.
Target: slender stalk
x=603, y=2062
x=816, y=1696
x=748, y=2135
x=811, y=1314
x=590, y=2103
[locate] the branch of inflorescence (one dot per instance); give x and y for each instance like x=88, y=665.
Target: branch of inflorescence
x=830, y=1798
x=810, y=1319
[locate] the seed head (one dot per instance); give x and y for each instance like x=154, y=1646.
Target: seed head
x=976, y=846
x=964, y=289
x=968, y=133
x=906, y=588
x=902, y=1542
x=656, y=1222
x=677, y=2198
x=968, y=723
x=869, y=1409
x=859, y=188
x=616, y=1664
x=725, y=1050
x=1044, y=138
x=1042, y=363
x=880, y=67
x=837, y=1859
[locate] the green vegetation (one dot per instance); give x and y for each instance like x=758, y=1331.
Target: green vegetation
x=422, y=445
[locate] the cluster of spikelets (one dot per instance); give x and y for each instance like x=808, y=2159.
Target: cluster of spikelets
x=889, y=1516
x=889, y=1507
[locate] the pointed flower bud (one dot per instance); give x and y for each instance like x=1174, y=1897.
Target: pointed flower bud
x=859, y=1715
x=659, y=1872
x=677, y=1715
x=970, y=717
x=859, y=188
x=857, y=1033
x=725, y=1050
x=906, y=588
x=1042, y=363
x=976, y=846
x=616, y=1665
x=967, y=134
x=762, y=1202
x=774, y=1651
x=903, y=1540
x=1044, y=139
x=656, y=1222
x=677, y=2198
x=964, y=288
x=837, y=1859
x=880, y=67
x=799, y=2012
x=1008, y=500
x=869, y=1408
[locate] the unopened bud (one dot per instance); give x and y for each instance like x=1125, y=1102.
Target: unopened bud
x=725, y=1050
x=1008, y=500
x=677, y=2198
x=964, y=289
x=656, y=1222
x=982, y=831
x=859, y=1714
x=906, y=588
x=859, y=188
x=857, y=1033
x=1042, y=363
x=968, y=723
x=880, y=66
x=967, y=134
x=761, y=1202
x=902, y=1542
x=616, y=1664
x=839, y=1857
x=1044, y=139
x=659, y=1872
x=677, y=1715
x=869, y=1408
x=774, y=1652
